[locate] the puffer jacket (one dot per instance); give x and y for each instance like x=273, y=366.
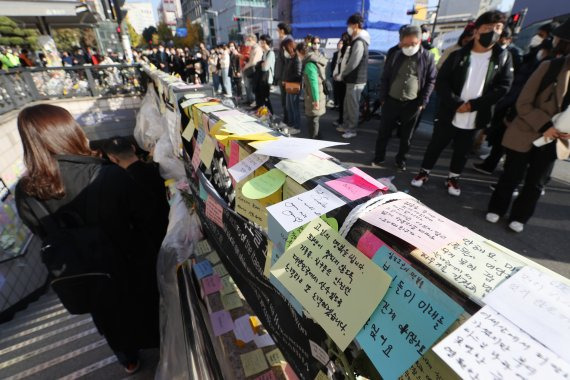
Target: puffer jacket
x=314, y=65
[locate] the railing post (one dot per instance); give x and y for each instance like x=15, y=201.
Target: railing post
x=27, y=75
x=92, y=87
x=10, y=103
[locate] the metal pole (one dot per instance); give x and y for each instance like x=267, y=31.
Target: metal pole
x=271, y=16
x=435, y=19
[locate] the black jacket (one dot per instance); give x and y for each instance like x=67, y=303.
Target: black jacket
x=126, y=215
x=281, y=62
x=426, y=73
x=452, y=76
x=293, y=71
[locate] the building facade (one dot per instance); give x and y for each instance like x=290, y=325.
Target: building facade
x=170, y=13
x=140, y=15
x=453, y=14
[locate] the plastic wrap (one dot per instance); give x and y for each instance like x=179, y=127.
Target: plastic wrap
x=150, y=123
x=182, y=234
x=170, y=166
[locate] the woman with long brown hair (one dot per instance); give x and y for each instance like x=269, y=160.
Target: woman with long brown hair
x=72, y=188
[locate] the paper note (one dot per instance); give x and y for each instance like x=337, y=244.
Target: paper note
x=228, y=285
x=319, y=353
x=309, y=167
x=234, y=153
x=263, y=340
x=220, y=270
x=202, y=269
x=294, y=148
x=275, y=357
x=189, y=102
x=292, y=188
x=255, y=209
x=211, y=284
x=537, y=303
x=369, y=244
x=264, y=185
x=243, y=330
x=207, y=151
x=201, y=136
x=413, y=314
x=429, y=367
x=247, y=128
x=188, y=132
x=351, y=187
x=244, y=168
x=202, y=193
x=335, y=283
x=416, y=224
x=269, y=375
x=253, y=362
x=203, y=247
x=196, y=157
x=221, y=322
x=214, y=211
x=268, y=255
x=489, y=346
x=289, y=372
x=471, y=264
x=234, y=117
x=303, y=208
x=365, y=177
x=213, y=258
x=213, y=108
x=231, y=301
x=321, y=376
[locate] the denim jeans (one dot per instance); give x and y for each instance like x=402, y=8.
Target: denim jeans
x=216, y=82
x=227, y=80
x=293, y=111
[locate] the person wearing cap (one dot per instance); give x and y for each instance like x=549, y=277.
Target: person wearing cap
x=406, y=84
x=536, y=137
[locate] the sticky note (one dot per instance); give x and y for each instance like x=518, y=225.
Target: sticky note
x=234, y=153
x=310, y=167
x=275, y=357
x=228, y=285
x=203, y=193
x=255, y=210
x=201, y=136
x=213, y=258
x=321, y=376
x=202, y=269
x=413, y=314
x=242, y=329
x=220, y=270
x=319, y=353
x=214, y=211
x=365, y=177
x=264, y=185
x=269, y=375
x=203, y=247
x=294, y=148
x=333, y=281
x=213, y=303
x=221, y=322
x=292, y=188
x=255, y=324
x=263, y=340
x=247, y=166
x=429, y=367
x=253, y=362
x=196, y=157
x=351, y=187
x=188, y=132
x=207, y=151
x=268, y=263
x=231, y=301
x=369, y=244
x=211, y=284
x=288, y=371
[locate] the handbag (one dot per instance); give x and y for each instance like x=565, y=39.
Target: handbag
x=249, y=72
x=292, y=88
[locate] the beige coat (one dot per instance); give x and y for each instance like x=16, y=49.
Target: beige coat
x=535, y=110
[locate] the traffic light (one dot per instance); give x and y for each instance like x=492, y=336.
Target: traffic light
x=516, y=20
x=118, y=29
x=236, y=18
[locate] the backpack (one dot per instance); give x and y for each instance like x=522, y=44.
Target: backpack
x=77, y=253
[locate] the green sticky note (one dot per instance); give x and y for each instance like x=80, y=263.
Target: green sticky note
x=331, y=222
x=231, y=301
x=264, y=185
x=228, y=286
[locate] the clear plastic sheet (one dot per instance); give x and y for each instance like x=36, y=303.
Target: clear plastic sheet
x=150, y=123
x=170, y=166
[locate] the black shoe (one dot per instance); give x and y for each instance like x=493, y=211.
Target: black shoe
x=482, y=169
x=377, y=163
x=401, y=165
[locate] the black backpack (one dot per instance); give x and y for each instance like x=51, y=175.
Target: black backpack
x=77, y=253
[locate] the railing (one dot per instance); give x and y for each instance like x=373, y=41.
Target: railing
x=19, y=87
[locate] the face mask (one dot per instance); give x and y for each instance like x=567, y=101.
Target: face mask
x=540, y=55
x=489, y=39
x=287, y=55
x=535, y=41
x=504, y=46
x=425, y=36
x=411, y=50
x=349, y=30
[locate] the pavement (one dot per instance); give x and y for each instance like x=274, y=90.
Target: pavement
x=543, y=239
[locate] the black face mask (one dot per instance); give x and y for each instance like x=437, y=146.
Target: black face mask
x=489, y=38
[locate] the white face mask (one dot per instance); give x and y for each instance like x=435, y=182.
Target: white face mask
x=349, y=30
x=411, y=50
x=535, y=41
x=287, y=55
x=504, y=46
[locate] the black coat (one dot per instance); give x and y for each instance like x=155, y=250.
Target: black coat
x=452, y=77
x=126, y=215
x=293, y=71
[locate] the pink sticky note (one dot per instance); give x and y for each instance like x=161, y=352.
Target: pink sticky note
x=369, y=244
x=196, y=157
x=221, y=322
x=211, y=284
x=289, y=373
x=205, y=122
x=234, y=153
x=368, y=179
x=266, y=376
x=214, y=211
x=351, y=187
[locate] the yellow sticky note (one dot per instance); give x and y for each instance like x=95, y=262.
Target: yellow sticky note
x=207, y=151
x=255, y=324
x=254, y=137
x=188, y=131
x=243, y=153
x=268, y=255
x=228, y=285
x=216, y=128
x=292, y=188
x=264, y=185
x=253, y=362
x=231, y=301
x=429, y=366
x=275, y=357
x=255, y=209
x=310, y=167
x=321, y=376
x=338, y=285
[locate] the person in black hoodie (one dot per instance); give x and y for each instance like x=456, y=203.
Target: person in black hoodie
x=62, y=172
x=471, y=81
x=281, y=62
x=292, y=74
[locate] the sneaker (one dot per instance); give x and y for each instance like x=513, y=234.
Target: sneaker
x=340, y=128
x=452, y=184
x=515, y=191
x=481, y=169
x=349, y=135
x=420, y=179
x=492, y=217
x=543, y=192
x=294, y=131
x=379, y=164
x=133, y=367
x=252, y=105
x=401, y=165
x=516, y=226
x=337, y=124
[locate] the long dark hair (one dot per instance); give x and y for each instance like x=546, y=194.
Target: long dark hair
x=47, y=131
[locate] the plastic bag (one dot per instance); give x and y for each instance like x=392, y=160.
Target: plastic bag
x=170, y=166
x=150, y=123
x=182, y=234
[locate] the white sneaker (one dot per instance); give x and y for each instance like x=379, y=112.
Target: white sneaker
x=341, y=129
x=452, y=184
x=492, y=217
x=253, y=105
x=348, y=135
x=294, y=131
x=516, y=226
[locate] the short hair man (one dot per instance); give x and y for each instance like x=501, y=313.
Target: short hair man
x=405, y=87
x=471, y=81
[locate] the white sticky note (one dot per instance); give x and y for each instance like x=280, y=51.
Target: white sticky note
x=294, y=148
x=247, y=166
x=319, y=353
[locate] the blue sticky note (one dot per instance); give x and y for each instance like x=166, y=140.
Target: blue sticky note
x=203, y=269
x=413, y=314
x=278, y=236
x=201, y=136
x=203, y=192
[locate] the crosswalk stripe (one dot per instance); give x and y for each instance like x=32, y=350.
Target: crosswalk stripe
x=38, y=328
x=47, y=348
x=90, y=368
x=43, y=303
x=26, y=315
x=36, y=320
x=56, y=361
x=38, y=338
